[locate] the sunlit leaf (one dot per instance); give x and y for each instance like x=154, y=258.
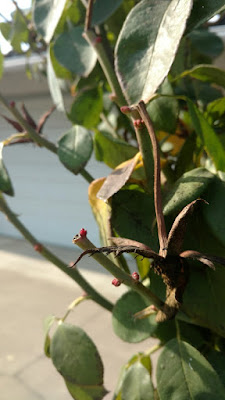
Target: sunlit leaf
x=46, y=15
x=147, y=45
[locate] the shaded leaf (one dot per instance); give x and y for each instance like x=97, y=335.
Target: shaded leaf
x=86, y=393
x=215, y=113
x=46, y=15
x=117, y=179
x=210, y=140
x=217, y=360
x=183, y=372
x=185, y=157
x=188, y=188
x=75, y=148
x=81, y=58
x=86, y=107
x=54, y=84
x=202, y=11
x=5, y=181
x=206, y=42
x=75, y=356
x=163, y=111
x=215, y=213
x=137, y=384
x=149, y=31
x=206, y=73
x=178, y=229
x=60, y=71
x=102, y=11
x=125, y=325
x=112, y=151
x=130, y=221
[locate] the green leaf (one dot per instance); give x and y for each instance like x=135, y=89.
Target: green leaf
x=81, y=57
x=209, y=139
x=75, y=148
x=217, y=360
x=206, y=42
x=76, y=357
x=60, y=71
x=86, y=393
x=185, y=160
x=5, y=181
x=46, y=15
x=137, y=384
x=163, y=111
x=48, y=322
x=147, y=45
x=130, y=221
x=183, y=373
x=86, y=107
x=202, y=11
x=102, y=11
x=125, y=325
x=215, y=213
x=1, y=64
x=54, y=84
x=215, y=113
x=206, y=73
x=188, y=188
x=111, y=150
x=19, y=32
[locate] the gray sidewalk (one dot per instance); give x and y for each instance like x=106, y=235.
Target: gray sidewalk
x=31, y=289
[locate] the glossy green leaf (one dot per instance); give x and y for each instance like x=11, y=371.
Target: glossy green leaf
x=81, y=58
x=188, y=188
x=102, y=11
x=206, y=73
x=137, y=384
x=46, y=15
x=215, y=213
x=75, y=148
x=210, y=140
x=183, y=373
x=135, y=222
x=54, y=84
x=86, y=107
x=147, y=45
x=163, y=111
x=202, y=11
x=76, y=357
x=125, y=325
x=111, y=150
x=5, y=181
x=206, y=42
x=85, y=393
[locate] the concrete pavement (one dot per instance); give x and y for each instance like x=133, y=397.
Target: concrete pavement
x=31, y=289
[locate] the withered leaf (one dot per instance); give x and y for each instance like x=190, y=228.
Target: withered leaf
x=117, y=179
x=203, y=258
x=178, y=229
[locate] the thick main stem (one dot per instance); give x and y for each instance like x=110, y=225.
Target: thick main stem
x=73, y=273
x=157, y=179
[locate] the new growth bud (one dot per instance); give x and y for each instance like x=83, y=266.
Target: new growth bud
x=83, y=233
x=116, y=282
x=125, y=109
x=38, y=247
x=139, y=123
x=135, y=276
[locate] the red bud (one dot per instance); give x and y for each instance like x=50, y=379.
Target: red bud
x=38, y=247
x=83, y=233
x=135, y=276
x=12, y=104
x=116, y=282
x=125, y=109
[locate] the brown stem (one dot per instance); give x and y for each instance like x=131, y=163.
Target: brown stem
x=157, y=184
x=88, y=17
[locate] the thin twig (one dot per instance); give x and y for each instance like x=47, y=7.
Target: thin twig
x=88, y=17
x=157, y=183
